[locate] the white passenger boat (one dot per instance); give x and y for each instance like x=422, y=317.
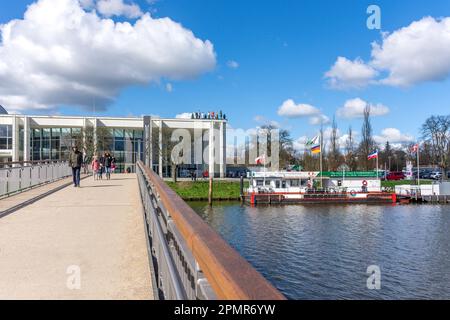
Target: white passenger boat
x=314, y=187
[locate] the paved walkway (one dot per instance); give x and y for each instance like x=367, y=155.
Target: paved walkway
x=86, y=243
x=7, y=203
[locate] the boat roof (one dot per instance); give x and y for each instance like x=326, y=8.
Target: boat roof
x=315, y=174
x=349, y=174
x=285, y=174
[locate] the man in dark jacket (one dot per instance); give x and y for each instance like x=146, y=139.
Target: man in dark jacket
x=75, y=162
x=108, y=165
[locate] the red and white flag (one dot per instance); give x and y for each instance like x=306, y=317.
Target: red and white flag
x=415, y=148
x=260, y=160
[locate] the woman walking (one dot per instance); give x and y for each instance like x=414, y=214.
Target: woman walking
x=101, y=168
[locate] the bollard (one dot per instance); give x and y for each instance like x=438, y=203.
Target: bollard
x=210, y=193
x=242, y=187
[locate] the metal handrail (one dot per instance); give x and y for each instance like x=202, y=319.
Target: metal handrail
x=18, y=178
x=192, y=256
x=27, y=162
x=7, y=165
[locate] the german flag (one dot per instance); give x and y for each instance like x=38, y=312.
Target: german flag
x=316, y=149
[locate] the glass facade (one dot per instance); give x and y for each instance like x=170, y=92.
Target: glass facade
x=6, y=137
x=126, y=145
x=52, y=143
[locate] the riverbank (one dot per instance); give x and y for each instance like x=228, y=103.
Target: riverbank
x=230, y=190
x=198, y=191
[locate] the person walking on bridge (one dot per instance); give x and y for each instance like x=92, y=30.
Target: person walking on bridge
x=96, y=168
x=108, y=165
x=101, y=161
x=75, y=162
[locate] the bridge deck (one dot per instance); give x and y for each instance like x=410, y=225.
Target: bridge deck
x=96, y=232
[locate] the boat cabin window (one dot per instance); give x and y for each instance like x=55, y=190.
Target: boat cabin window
x=268, y=183
x=259, y=183
x=283, y=184
x=277, y=184
x=294, y=183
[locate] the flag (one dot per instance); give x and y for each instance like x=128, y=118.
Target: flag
x=316, y=149
x=313, y=142
x=314, y=145
x=415, y=148
x=261, y=159
x=373, y=155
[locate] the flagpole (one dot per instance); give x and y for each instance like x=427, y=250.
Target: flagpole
x=378, y=176
x=264, y=171
x=418, y=164
x=321, y=151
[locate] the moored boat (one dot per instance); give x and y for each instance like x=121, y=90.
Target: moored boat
x=313, y=187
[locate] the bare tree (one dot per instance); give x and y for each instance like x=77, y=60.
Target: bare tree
x=334, y=157
x=165, y=151
x=436, y=132
x=367, y=143
x=386, y=155
x=350, y=159
x=287, y=153
x=94, y=141
x=309, y=162
x=426, y=154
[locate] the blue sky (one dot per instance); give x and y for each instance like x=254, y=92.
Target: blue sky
x=283, y=50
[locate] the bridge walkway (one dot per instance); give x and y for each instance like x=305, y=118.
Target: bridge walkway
x=77, y=243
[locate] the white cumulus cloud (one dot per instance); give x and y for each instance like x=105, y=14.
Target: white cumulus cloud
x=392, y=135
x=266, y=122
x=354, y=108
x=290, y=109
x=109, y=8
x=417, y=53
x=185, y=115
x=345, y=74
x=233, y=64
x=60, y=54
x=319, y=120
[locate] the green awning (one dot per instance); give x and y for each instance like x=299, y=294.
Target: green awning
x=349, y=174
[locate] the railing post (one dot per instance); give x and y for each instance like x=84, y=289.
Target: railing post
x=7, y=181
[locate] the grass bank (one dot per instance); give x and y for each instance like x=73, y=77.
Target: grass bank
x=198, y=191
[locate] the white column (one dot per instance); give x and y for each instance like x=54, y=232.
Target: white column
x=15, y=139
x=161, y=148
x=148, y=143
x=211, y=150
x=26, y=139
x=150, y=147
x=95, y=136
x=84, y=136
x=223, y=149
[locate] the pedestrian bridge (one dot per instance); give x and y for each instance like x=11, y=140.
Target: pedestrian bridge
x=127, y=238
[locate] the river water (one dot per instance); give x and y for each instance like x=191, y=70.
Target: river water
x=323, y=251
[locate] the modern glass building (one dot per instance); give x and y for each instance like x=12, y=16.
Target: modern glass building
x=39, y=138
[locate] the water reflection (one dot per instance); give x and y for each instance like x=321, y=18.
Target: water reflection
x=322, y=252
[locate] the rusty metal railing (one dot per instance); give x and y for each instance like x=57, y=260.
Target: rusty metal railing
x=191, y=261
